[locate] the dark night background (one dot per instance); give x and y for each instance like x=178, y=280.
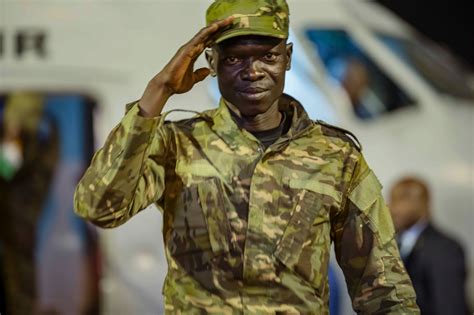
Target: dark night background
x=449, y=23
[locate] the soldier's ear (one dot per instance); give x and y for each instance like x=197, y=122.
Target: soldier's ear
x=211, y=61
x=289, y=53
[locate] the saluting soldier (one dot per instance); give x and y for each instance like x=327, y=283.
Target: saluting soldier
x=253, y=193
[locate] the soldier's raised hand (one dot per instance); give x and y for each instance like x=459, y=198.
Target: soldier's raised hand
x=179, y=76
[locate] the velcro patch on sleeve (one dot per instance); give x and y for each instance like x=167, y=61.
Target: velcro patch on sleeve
x=367, y=192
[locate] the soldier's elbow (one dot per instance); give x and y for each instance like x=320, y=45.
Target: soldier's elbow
x=97, y=217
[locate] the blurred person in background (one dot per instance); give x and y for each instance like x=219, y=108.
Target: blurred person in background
x=434, y=261
x=28, y=155
x=356, y=81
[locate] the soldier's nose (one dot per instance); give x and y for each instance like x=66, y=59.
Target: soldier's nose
x=252, y=72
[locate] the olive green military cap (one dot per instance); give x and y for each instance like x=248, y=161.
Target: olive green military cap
x=23, y=110
x=251, y=17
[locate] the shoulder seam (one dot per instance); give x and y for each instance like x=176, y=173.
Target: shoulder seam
x=349, y=134
x=197, y=116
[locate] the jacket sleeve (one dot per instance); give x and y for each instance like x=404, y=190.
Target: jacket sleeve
x=367, y=251
x=126, y=174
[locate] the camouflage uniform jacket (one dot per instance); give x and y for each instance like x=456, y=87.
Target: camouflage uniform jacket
x=248, y=230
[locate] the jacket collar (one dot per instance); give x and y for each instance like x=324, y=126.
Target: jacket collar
x=227, y=128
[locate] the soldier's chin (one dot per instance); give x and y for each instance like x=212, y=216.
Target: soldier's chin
x=254, y=111
x=253, y=107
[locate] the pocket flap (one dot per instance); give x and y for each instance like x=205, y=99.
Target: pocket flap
x=316, y=186
x=201, y=168
x=210, y=195
x=296, y=232
x=366, y=192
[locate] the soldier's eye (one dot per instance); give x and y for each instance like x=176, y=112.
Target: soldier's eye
x=231, y=60
x=270, y=57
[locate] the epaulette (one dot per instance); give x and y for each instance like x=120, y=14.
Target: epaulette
x=339, y=132
x=186, y=121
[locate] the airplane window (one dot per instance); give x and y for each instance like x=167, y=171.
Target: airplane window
x=432, y=63
x=371, y=92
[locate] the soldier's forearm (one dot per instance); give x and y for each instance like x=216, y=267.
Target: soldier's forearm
x=154, y=98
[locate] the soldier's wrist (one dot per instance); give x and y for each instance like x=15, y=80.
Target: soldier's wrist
x=154, y=99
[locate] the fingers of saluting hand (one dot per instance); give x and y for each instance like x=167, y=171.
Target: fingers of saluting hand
x=205, y=36
x=206, y=33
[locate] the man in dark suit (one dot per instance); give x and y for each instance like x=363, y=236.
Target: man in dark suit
x=434, y=261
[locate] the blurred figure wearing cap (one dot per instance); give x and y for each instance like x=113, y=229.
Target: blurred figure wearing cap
x=434, y=261
x=252, y=193
x=29, y=147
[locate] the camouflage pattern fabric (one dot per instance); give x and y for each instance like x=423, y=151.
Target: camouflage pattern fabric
x=251, y=17
x=248, y=230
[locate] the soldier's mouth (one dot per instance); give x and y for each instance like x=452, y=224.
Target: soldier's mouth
x=253, y=93
x=253, y=90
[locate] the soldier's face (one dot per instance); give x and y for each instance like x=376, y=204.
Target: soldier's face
x=251, y=71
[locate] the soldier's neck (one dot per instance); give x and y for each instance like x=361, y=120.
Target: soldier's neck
x=268, y=120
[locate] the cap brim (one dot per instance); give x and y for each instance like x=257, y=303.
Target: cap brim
x=235, y=32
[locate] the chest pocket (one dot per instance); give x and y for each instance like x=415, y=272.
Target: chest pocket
x=304, y=246
x=207, y=182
